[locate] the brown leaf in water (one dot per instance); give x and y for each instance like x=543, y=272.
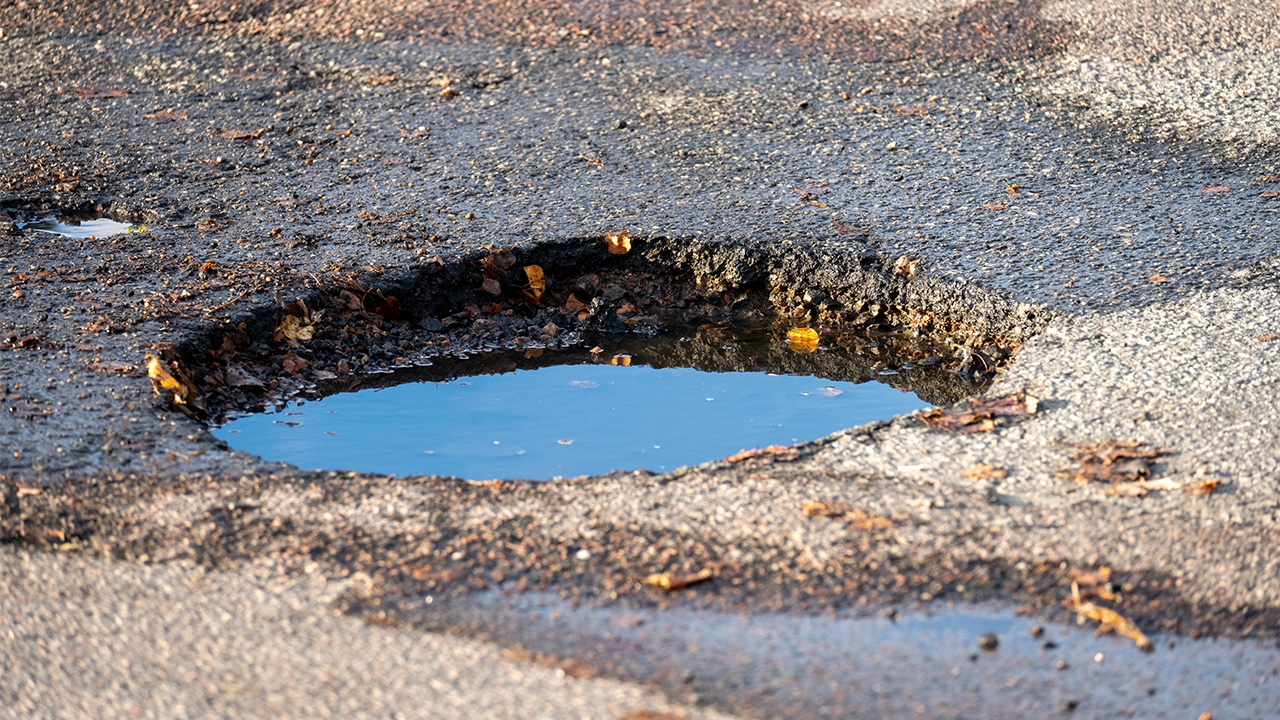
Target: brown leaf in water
x=981, y=415
x=984, y=471
x=859, y=518
x=537, y=282
x=772, y=452
x=618, y=243
x=93, y=93
x=1108, y=620
x=667, y=581
x=802, y=340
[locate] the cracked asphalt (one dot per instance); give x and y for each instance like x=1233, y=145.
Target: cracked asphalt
x=1095, y=187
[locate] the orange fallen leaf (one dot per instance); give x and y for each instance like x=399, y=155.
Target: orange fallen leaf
x=984, y=471
x=620, y=360
x=802, y=340
x=537, y=282
x=1108, y=620
x=618, y=243
x=162, y=380
x=667, y=581
x=1013, y=189
x=776, y=452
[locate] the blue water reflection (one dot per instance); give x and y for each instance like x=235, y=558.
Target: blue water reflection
x=563, y=420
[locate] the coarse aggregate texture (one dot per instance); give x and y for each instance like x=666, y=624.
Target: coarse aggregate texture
x=1102, y=177
x=82, y=639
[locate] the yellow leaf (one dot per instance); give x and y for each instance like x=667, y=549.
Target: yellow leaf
x=294, y=328
x=620, y=360
x=1108, y=620
x=618, y=243
x=803, y=340
x=667, y=581
x=537, y=284
x=162, y=380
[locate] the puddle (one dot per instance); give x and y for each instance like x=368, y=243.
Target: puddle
x=921, y=664
x=563, y=413
x=703, y=367
x=100, y=227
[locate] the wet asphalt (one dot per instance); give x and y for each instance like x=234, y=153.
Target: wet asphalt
x=1098, y=184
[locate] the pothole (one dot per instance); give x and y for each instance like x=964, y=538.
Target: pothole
x=81, y=227
x=637, y=405
x=566, y=358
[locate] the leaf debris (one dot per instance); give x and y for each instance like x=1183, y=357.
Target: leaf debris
x=771, y=453
x=667, y=581
x=985, y=471
x=855, y=516
x=1108, y=620
x=981, y=415
x=618, y=243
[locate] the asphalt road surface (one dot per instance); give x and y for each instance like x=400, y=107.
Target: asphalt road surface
x=1079, y=202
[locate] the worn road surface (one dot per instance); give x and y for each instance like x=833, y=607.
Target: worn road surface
x=1081, y=196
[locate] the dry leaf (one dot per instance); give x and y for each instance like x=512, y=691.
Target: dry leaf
x=491, y=286
x=620, y=360
x=1212, y=188
x=1109, y=620
x=667, y=581
x=1267, y=337
x=236, y=376
x=859, y=518
x=537, y=282
x=905, y=267
x=984, y=471
x=161, y=379
x=240, y=134
x=802, y=340
x=618, y=243
x=92, y=93
x=294, y=329
x=1115, y=461
x=293, y=364
x=389, y=308
x=1013, y=189
x=169, y=115
x=381, y=79
x=981, y=415
x=1205, y=487
x=772, y=452
x=1159, y=279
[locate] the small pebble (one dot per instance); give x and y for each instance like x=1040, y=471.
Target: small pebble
x=1099, y=658
x=1061, y=665
x=1037, y=632
x=1069, y=705
x=988, y=641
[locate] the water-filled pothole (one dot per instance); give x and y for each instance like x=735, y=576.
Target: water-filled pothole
x=570, y=308
x=574, y=412
x=82, y=228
